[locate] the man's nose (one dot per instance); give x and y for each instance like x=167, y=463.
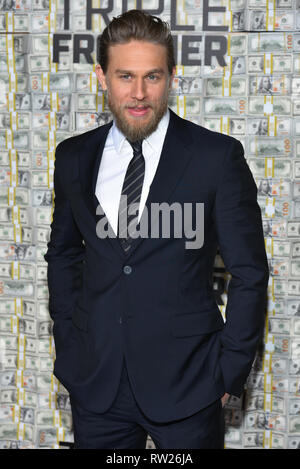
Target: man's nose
x=138, y=90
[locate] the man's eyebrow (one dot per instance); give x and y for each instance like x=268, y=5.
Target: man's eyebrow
x=154, y=70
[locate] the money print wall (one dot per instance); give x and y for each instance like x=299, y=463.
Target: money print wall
x=172, y=6
x=255, y=97
x=86, y=50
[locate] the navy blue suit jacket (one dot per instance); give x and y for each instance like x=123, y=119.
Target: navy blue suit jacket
x=160, y=313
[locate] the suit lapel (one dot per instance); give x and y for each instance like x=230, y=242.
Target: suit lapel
x=89, y=164
x=173, y=160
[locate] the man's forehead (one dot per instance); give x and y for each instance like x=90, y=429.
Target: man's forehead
x=134, y=48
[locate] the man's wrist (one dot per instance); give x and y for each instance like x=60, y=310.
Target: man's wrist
x=225, y=398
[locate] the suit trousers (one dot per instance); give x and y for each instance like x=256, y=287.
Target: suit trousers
x=125, y=426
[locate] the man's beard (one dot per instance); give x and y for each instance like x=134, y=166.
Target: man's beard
x=138, y=130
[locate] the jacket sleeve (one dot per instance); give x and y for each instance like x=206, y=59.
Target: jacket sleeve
x=64, y=256
x=239, y=226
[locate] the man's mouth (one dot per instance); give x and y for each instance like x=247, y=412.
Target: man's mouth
x=138, y=110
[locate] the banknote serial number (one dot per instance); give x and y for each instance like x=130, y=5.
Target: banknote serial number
x=153, y=458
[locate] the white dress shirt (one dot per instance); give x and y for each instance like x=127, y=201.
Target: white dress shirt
x=116, y=156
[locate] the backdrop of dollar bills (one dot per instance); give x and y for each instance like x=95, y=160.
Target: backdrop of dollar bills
x=254, y=95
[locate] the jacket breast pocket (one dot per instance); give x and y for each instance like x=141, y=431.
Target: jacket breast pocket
x=196, y=323
x=80, y=318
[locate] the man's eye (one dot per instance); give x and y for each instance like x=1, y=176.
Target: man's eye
x=153, y=77
x=125, y=76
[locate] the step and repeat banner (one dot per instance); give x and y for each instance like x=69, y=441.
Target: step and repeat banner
x=238, y=73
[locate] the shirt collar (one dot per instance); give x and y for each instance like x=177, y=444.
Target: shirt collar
x=153, y=139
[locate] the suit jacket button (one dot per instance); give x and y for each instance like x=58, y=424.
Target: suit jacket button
x=127, y=269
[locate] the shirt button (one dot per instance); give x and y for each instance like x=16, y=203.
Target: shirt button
x=127, y=269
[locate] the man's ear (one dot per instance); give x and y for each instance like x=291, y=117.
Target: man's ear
x=171, y=78
x=101, y=76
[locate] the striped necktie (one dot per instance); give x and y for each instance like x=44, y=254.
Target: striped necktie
x=132, y=189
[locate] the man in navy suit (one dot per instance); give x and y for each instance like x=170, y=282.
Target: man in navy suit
x=141, y=345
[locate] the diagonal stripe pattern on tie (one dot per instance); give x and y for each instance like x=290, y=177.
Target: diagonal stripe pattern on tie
x=130, y=195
